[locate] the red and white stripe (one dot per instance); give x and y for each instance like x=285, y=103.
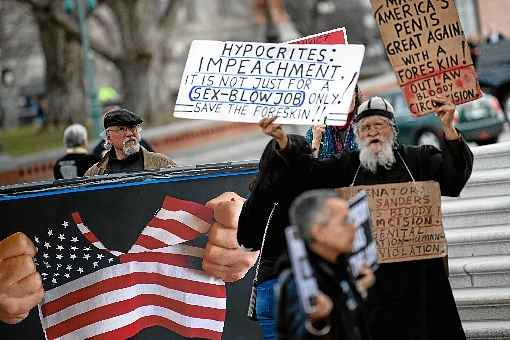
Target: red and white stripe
x=154, y=284
x=115, y=297
x=176, y=222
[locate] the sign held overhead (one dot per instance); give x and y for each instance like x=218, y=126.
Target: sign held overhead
x=425, y=43
x=245, y=82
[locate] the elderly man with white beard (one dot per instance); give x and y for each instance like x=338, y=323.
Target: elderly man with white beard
x=411, y=300
x=122, y=136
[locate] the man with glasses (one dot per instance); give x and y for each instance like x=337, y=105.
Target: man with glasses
x=410, y=300
x=122, y=137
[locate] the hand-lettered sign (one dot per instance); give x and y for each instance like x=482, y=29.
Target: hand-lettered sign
x=335, y=36
x=331, y=37
x=425, y=43
x=407, y=220
x=246, y=81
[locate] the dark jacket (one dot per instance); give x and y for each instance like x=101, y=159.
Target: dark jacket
x=147, y=161
x=73, y=165
x=411, y=300
x=269, y=189
x=347, y=319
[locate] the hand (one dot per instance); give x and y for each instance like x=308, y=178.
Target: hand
x=366, y=280
x=323, y=307
x=274, y=130
x=317, y=132
x=446, y=111
x=20, y=283
x=223, y=257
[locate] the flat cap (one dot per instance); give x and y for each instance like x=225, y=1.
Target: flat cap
x=121, y=117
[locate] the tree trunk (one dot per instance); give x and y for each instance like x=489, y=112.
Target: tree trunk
x=52, y=42
x=74, y=77
x=135, y=84
x=134, y=19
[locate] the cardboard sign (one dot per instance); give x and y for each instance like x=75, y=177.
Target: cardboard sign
x=246, y=81
x=425, y=43
x=407, y=220
x=331, y=37
x=364, y=250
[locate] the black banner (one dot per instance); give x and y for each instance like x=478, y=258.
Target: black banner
x=116, y=209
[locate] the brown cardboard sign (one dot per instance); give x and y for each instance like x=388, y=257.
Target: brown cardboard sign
x=407, y=220
x=425, y=44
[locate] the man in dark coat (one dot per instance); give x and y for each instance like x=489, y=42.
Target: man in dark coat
x=411, y=300
x=320, y=219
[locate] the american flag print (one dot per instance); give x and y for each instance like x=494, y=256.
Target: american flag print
x=94, y=292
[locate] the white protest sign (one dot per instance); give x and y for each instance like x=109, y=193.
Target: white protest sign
x=247, y=81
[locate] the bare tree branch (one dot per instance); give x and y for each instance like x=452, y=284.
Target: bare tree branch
x=169, y=15
x=71, y=27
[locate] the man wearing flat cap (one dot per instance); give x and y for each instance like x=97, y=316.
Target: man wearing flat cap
x=122, y=136
x=411, y=300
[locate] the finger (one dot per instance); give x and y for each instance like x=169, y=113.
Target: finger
x=229, y=257
x=16, y=319
x=16, y=244
x=225, y=273
x=14, y=269
x=223, y=237
x=265, y=122
x=226, y=196
x=16, y=309
x=26, y=286
x=227, y=213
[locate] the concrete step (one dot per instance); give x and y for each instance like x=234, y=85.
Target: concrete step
x=495, y=156
x=476, y=212
x=478, y=241
x=477, y=304
x=486, y=183
x=483, y=330
x=480, y=271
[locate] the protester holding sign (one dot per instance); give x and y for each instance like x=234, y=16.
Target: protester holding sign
x=264, y=217
x=411, y=299
x=320, y=217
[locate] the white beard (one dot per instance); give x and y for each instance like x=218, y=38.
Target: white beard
x=131, y=148
x=370, y=160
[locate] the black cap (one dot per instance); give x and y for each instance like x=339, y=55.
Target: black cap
x=121, y=117
x=375, y=106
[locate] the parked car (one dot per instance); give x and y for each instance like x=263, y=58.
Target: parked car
x=480, y=121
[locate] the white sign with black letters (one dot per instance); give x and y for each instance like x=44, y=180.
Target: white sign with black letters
x=248, y=81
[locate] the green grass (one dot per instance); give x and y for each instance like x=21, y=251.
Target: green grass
x=30, y=139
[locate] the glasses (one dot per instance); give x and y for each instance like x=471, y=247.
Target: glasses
x=125, y=129
x=377, y=126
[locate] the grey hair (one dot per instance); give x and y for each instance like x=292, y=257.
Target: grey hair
x=389, y=121
x=308, y=209
x=75, y=135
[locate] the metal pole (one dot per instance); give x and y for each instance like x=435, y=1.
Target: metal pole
x=89, y=72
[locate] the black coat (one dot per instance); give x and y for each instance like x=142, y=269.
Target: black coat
x=347, y=318
x=280, y=186
x=411, y=300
